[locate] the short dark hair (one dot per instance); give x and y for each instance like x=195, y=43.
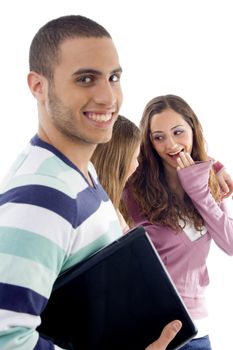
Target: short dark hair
x=44, y=49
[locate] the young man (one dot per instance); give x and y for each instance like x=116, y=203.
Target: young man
x=52, y=207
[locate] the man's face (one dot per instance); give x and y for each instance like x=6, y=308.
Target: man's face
x=85, y=95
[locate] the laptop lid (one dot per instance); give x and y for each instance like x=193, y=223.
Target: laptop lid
x=119, y=298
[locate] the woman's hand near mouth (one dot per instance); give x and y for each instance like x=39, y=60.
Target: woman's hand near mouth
x=184, y=160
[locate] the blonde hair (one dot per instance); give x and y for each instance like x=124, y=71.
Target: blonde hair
x=112, y=159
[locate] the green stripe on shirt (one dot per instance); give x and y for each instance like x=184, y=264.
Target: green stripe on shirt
x=31, y=246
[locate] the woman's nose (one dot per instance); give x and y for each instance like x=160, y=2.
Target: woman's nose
x=171, y=143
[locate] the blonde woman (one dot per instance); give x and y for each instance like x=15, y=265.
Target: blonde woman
x=116, y=160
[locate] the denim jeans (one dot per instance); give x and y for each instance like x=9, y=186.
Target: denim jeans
x=202, y=343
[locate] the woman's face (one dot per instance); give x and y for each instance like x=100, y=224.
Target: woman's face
x=170, y=135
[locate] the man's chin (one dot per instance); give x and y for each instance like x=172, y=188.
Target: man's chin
x=105, y=139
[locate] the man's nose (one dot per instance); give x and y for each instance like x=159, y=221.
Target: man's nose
x=105, y=94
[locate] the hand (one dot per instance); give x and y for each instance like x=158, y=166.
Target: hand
x=184, y=160
x=168, y=333
x=225, y=182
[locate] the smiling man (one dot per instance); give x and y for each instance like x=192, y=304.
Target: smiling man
x=53, y=212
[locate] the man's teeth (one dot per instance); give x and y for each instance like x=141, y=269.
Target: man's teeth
x=100, y=117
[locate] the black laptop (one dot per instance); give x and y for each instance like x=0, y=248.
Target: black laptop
x=118, y=299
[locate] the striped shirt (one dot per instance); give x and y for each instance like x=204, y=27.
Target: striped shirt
x=50, y=219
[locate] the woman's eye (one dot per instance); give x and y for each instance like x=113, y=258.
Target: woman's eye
x=178, y=132
x=157, y=138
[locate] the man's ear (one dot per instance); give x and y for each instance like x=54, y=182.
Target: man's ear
x=38, y=86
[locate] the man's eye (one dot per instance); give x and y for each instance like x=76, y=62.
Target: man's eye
x=114, y=78
x=84, y=80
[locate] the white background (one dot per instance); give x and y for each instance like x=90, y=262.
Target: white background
x=182, y=47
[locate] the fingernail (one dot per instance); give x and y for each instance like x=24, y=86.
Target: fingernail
x=177, y=326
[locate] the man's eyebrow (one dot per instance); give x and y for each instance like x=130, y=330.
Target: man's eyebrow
x=117, y=70
x=94, y=71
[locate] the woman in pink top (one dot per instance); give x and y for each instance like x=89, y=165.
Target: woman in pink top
x=175, y=195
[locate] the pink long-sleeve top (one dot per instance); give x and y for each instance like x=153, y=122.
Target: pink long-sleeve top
x=184, y=258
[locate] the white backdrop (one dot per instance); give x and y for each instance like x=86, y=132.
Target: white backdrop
x=166, y=46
